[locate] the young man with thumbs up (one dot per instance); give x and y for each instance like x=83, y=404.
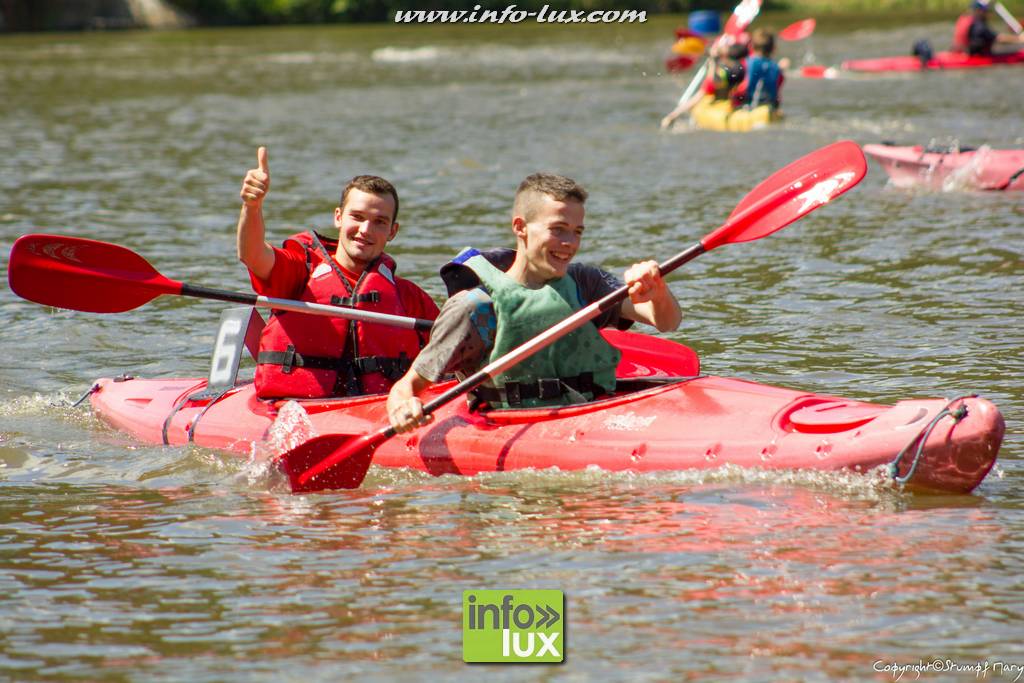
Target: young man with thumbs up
x=307, y=356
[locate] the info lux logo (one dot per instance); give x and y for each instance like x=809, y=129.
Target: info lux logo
x=513, y=626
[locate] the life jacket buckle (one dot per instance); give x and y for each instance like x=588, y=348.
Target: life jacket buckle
x=288, y=361
x=549, y=387
x=512, y=394
x=397, y=367
x=368, y=364
x=351, y=301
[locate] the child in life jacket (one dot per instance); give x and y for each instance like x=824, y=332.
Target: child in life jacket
x=764, y=78
x=726, y=72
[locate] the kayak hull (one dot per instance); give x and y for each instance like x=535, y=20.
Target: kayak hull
x=940, y=61
x=980, y=169
x=701, y=422
x=709, y=114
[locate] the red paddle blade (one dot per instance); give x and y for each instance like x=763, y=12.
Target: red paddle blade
x=798, y=30
x=332, y=461
x=791, y=193
x=744, y=13
x=83, y=275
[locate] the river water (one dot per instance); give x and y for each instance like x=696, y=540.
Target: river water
x=121, y=561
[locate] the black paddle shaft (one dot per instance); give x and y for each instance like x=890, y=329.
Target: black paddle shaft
x=218, y=294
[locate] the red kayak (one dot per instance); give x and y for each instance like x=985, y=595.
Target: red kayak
x=966, y=168
x=664, y=416
x=940, y=60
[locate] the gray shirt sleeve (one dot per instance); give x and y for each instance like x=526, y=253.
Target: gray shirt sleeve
x=456, y=344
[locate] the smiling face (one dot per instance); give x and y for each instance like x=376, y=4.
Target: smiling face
x=547, y=237
x=365, y=225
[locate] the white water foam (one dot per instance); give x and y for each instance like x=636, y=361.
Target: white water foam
x=406, y=55
x=875, y=485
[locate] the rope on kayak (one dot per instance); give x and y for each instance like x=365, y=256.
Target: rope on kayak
x=195, y=421
x=178, y=405
x=958, y=413
x=92, y=390
x=123, y=377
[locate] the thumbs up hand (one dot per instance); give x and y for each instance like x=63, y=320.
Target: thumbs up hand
x=257, y=181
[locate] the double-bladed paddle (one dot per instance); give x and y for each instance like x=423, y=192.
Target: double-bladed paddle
x=341, y=461
x=98, y=277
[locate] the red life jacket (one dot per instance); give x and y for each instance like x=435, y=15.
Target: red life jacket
x=961, y=31
x=312, y=356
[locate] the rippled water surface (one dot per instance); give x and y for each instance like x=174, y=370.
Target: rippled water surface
x=128, y=562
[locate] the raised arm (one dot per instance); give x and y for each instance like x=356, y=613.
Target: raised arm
x=253, y=249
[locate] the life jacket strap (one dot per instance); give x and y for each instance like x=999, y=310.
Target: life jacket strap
x=546, y=388
x=366, y=297
x=392, y=368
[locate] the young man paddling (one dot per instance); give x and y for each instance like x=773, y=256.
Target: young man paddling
x=311, y=356
x=508, y=304
x=973, y=35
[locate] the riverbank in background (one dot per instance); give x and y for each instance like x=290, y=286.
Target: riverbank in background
x=88, y=15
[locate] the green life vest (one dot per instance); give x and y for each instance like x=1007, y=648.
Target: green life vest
x=574, y=369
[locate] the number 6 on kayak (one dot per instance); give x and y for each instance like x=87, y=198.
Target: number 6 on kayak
x=342, y=460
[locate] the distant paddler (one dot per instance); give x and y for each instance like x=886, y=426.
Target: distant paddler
x=726, y=71
x=973, y=35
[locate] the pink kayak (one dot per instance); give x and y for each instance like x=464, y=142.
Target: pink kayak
x=940, y=60
x=968, y=168
x=664, y=416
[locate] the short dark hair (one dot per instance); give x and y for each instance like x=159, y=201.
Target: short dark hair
x=374, y=185
x=762, y=41
x=558, y=187
x=737, y=51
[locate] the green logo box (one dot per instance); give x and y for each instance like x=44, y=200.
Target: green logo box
x=513, y=626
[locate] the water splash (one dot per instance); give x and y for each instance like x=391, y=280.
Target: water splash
x=291, y=428
x=59, y=404
x=969, y=176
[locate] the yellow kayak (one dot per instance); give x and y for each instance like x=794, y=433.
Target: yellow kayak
x=712, y=114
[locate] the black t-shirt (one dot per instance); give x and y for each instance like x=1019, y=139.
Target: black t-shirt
x=980, y=38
